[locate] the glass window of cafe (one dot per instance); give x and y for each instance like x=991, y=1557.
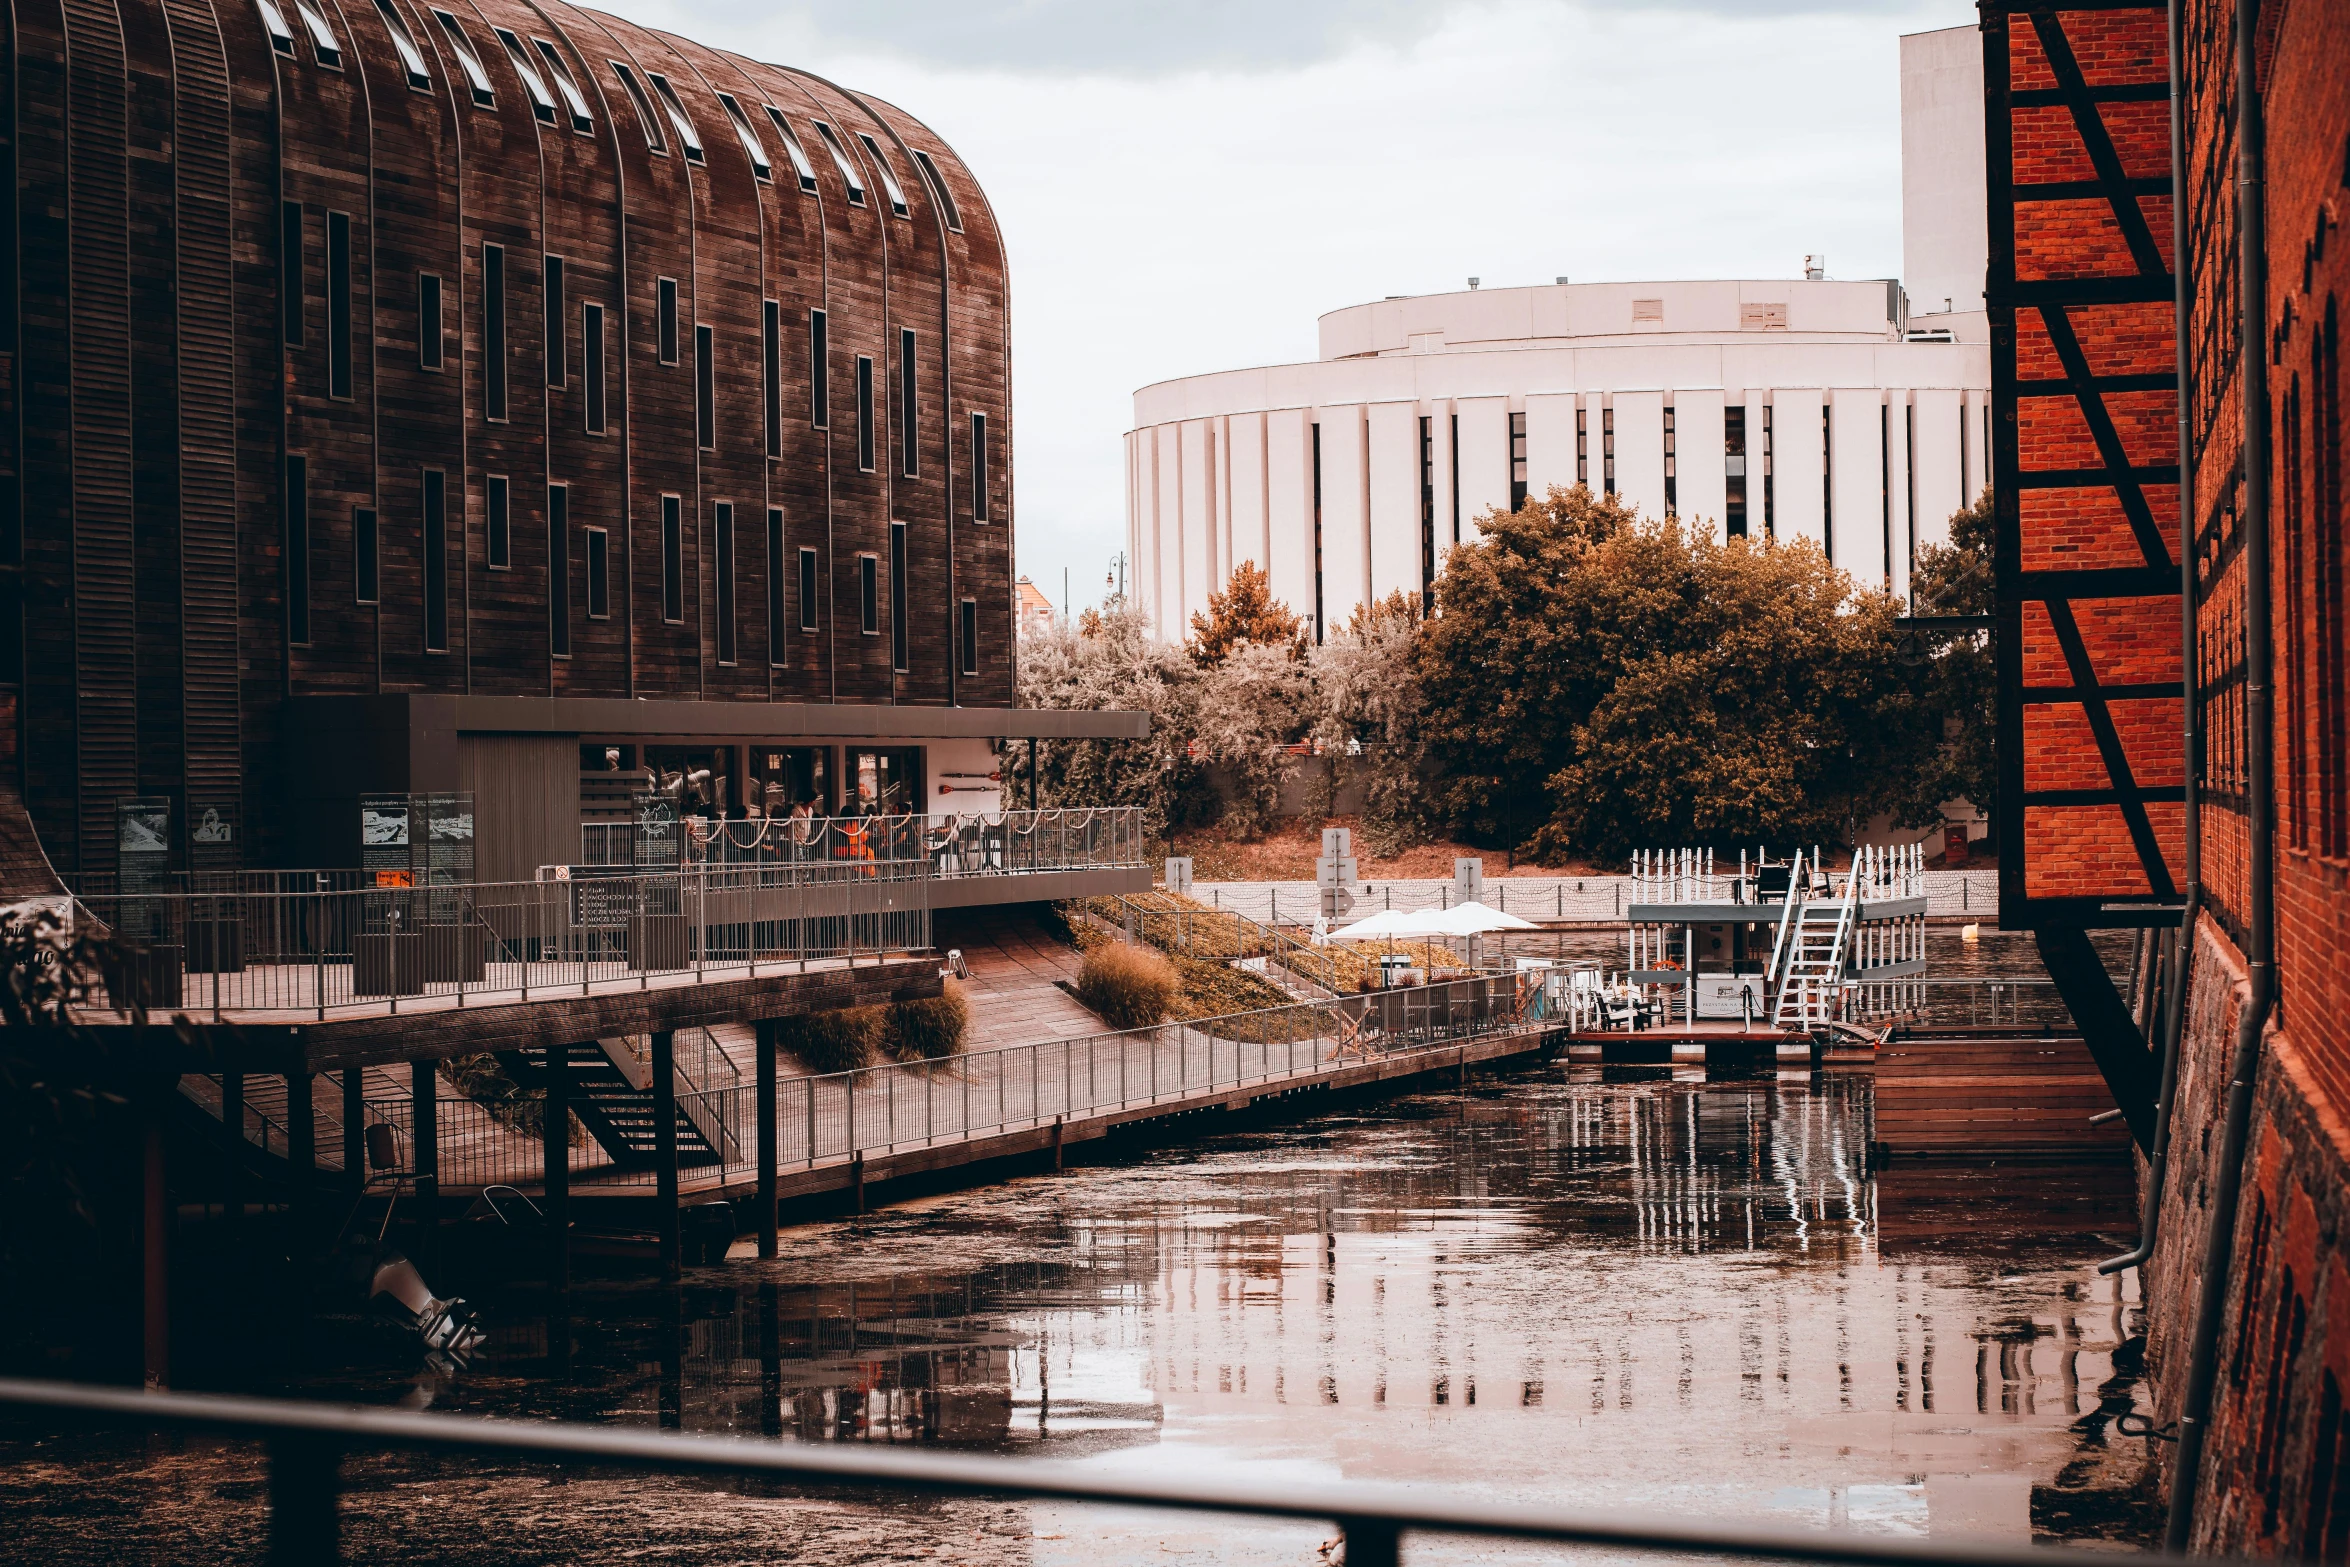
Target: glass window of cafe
x=700, y=778
x=883, y=782
x=783, y=776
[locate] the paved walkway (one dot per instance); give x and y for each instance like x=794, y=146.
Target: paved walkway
x=1014, y=960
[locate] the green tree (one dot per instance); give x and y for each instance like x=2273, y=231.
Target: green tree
x=1244, y=613
x=1108, y=660
x=1372, y=721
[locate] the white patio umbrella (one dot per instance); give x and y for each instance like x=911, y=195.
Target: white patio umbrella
x=1475, y=919
x=1391, y=925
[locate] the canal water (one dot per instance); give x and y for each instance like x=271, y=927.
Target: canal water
x=1597, y=1288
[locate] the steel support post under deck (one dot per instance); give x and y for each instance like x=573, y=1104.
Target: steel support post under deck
x=354, y=1128
x=424, y=1085
x=767, y=1133
x=301, y=1139
x=2131, y=1071
x=665, y=1150
x=555, y=1145
x=154, y=1246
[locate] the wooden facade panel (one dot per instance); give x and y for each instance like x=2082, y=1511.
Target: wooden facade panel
x=171, y=352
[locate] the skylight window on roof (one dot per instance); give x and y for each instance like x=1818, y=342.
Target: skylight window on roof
x=281, y=37
x=411, y=57
x=581, y=120
x=462, y=46
x=646, y=119
x=938, y=189
x=889, y=179
x=687, y=137
x=749, y=138
x=792, y=149
x=542, y=103
x=322, y=37
x=840, y=159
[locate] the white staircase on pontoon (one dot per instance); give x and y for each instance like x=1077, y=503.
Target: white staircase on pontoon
x=1808, y=959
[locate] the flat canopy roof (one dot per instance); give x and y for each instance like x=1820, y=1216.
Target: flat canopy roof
x=719, y=720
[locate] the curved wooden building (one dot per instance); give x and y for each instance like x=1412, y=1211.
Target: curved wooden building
x=445, y=394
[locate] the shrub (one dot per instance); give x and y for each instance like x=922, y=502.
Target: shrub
x=1128, y=985
x=837, y=1041
x=927, y=1030
x=485, y=1080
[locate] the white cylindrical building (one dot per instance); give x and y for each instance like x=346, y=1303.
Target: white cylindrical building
x=1805, y=408
x=1790, y=409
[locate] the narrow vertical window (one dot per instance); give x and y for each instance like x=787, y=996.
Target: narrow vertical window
x=1453, y=464
x=431, y=331
x=493, y=330
x=1672, y=469
x=687, y=137
x=289, y=271
x=1317, y=535
x=819, y=384
x=338, y=304
x=970, y=636
x=476, y=78
x=868, y=595
x=771, y=373
x=645, y=118
x=1734, y=472
x=1517, y=462
x=1607, y=450
x=889, y=178
x=366, y=572
x=498, y=522
x=897, y=595
x=705, y=391
x=558, y=356
x=1828, y=482
x=672, y=559
x=1427, y=513
x=436, y=561
x=296, y=547
x=1582, y=448
x=281, y=37
x=776, y=608
x=864, y=414
x=979, y=481
x=599, y=573
x=1770, y=507
x=1909, y=468
x=807, y=589
x=591, y=363
x=559, y=570
x=909, y=429
x=665, y=319
x=1885, y=484
x=938, y=189
x=722, y=557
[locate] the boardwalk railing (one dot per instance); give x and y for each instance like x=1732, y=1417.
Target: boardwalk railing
x=882, y=1109
x=1597, y=900
x=953, y=844
x=312, y=952
x=307, y=1444
x=1973, y=1001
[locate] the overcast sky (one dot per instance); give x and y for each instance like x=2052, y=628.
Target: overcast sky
x=1186, y=186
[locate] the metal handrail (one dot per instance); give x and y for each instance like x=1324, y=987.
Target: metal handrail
x=305, y=1443
x=1796, y=888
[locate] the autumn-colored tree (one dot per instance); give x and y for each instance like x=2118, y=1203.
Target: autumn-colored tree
x=1244, y=612
x=1372, y=719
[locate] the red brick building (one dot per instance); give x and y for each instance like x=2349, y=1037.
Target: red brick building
x=444, y=394
x=2126, y=812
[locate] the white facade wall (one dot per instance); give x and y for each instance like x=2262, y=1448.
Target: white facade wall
x=1697, y=461
x=1394, y=433
x=1221, y=470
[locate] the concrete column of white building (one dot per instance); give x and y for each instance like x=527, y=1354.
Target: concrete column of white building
x=1133, y=545
x=1640, y=450
x=1220, y=463
x=1166, y=602
x=1244, y=461
x=1897, y=460
x=1797, y=456
x=1200, y=576
x=1484, y=459
x=1346, y=513
x=1289, y=504
x=1863, y=505
x=1697, y=457
x=1446, y=430
x=1941, y=485
x=1550, y=442
x=1977, y=446
x=1393, y=430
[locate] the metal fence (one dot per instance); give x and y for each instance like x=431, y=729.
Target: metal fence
x=306, y=1446
x=309, y=952
x=1974, y=1002
x=953, y=844
x=882, y=1109
x=1581, y=899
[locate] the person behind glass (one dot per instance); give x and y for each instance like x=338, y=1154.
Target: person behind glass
x=803, y=828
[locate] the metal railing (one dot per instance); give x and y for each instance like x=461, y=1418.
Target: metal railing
x=312, y=952
x=953, y=844
x=306, y=1445
x=877, y=1110
x=1978, y=1001
x=1966, y=894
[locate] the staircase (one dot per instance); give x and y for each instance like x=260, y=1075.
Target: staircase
x=611, y=1093
x=1808, y=962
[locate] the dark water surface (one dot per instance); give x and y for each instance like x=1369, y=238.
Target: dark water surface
x=1626, y=1291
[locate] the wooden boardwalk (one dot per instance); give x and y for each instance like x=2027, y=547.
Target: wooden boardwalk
x=1985, y=1095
